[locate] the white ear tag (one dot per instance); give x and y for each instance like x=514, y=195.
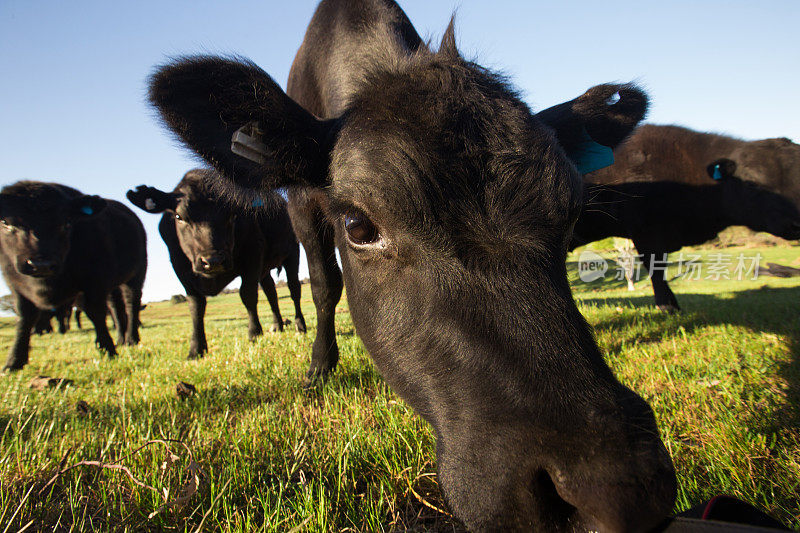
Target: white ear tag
x=245, y=143
x=149, y=204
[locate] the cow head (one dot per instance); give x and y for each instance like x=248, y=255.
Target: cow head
x=36, y=224
x=452, y=206
x=750, y=204
x=772, y=163
x=203, y=224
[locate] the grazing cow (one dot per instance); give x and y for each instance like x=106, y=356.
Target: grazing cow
x=56, y=242
x=673, y=153
x=663, y=217
x=451, y=205
x=210, y=245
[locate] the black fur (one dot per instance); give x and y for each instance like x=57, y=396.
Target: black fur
x=451, y=205
x=210, y=245
x=664, y=216
x=55, y=243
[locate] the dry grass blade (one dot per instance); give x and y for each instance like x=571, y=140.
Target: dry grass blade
x=423, y=501
x=211, y=507
x=188, y=491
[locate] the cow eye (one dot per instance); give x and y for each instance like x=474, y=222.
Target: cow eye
x=6, y=225
x=359, y=229
x=178, y=217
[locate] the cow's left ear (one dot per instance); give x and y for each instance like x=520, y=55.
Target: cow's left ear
x=592, y=125
x=721, y=169
x=86, y=206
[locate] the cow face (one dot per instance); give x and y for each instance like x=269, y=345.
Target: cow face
x=753, y=205
x=452, y=205
x=203, y=225
x=36, y=222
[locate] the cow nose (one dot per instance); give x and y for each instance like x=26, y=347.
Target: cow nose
x=625, y=479
x=636, y=496
x=211, y=264
x=39, y=267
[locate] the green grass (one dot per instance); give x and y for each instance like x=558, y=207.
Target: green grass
x=723, y=378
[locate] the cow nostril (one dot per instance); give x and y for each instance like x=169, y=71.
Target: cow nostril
x=548, y=494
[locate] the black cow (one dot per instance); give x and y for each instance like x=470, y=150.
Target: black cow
x=663, y=216
x=56, y=242
x=210, y=245
x=673, y=153
x=451, y=205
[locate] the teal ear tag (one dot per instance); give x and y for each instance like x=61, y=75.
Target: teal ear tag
x=86, y=210
x=717, y=174
x=590, y=155
x=258, y=202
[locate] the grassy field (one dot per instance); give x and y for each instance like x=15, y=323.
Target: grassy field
x=252, y=450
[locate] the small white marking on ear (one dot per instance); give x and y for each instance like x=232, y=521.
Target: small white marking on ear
x=613, y=99
x=149, y=204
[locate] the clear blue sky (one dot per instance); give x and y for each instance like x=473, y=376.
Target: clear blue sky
x=72, y=74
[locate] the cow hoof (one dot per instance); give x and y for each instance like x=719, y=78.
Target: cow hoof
x=275, y=327
x=669, y=309
x=300, y=325
x=12, y=368
x=195, y=355
x=316, y=376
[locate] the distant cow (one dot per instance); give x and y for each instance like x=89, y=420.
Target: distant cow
x=56, y=242
x=210, y=245
x=62, y=314
x=673, y=153
x=663, y=217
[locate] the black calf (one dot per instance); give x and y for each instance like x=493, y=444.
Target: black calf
x=210, y=245
x=56, y=242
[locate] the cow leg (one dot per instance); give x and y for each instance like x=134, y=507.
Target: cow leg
x=665, y=298
x=248, y=292
x=78, y=317
x=63, y=318
x=118, y=314
x=95, y=309
x=28, y=316
x=197, y=307
x=43, y=323
x=291, y=267
x=132, y=297
x=326, y=288
x=268, y=286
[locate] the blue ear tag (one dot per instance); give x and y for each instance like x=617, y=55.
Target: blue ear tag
x=258, y=202
x=590, y=155
x=86, y=210
x=717, y=174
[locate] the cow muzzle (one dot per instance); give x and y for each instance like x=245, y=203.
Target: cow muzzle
x=212, y=265
x=37, y=267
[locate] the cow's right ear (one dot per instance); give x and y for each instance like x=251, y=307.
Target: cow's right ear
x=152, y=200
x=205, y=100
x=721, y=169
x=593, y=124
